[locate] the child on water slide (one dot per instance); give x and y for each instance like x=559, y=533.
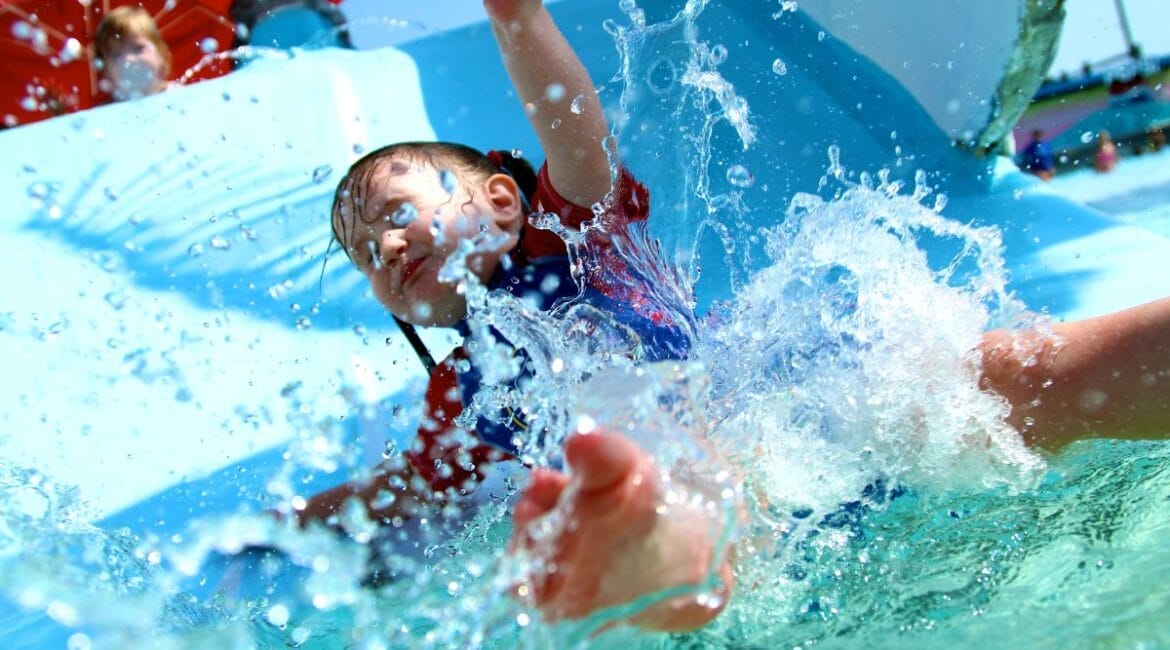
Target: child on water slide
x=403, y=210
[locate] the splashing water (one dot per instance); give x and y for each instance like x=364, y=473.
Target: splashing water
x=886, y=502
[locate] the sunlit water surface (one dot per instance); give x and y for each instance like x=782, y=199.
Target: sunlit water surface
x=886, y=505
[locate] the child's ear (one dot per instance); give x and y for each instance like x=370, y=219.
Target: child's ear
x=504, y=194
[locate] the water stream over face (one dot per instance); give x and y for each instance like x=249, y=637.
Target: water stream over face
x=885, y=501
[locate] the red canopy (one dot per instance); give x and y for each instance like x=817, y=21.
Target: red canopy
x=45, y=50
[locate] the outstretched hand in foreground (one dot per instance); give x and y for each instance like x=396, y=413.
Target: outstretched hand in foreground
x=604, y=534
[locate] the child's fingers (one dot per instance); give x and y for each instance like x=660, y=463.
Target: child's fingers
x=539, y=497
x=599, y=460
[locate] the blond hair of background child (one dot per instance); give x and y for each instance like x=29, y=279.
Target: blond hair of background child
x=131, y=55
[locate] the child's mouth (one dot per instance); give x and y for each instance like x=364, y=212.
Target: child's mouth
x=410, y=268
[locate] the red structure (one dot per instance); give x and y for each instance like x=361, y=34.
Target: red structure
x=46, y=54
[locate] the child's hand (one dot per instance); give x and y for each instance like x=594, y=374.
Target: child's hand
x=620, y=540
x=506, y=11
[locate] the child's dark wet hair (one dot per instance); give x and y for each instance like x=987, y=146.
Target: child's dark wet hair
x=469, y=166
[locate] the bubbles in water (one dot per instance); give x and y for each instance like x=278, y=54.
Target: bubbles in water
x=303, y=323
x=321, y=173
x=821, y=35
x=208, y=45
x=779, y=67
x=195, y=250
x=740, y=176
x=219, y=242
x=1087, y=137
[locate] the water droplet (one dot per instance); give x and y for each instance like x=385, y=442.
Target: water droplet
x=195, y=250
x=740, y=176
x=208, y=45
x=375, y=255
x=422, y=311
x=219, y=242
x=556, y=123
x=550, y=284
x=779, y=67
x=71, y=51
x=516, y=153
x=303, y=323
x=448, y=180
x=835, y=169
x=116, y=299
x=437, y=233
x=718, y=54
x=1087, y=137
x=278, y=615
x=43, y=190
x=321, y=173
x=555, y=92
x=22, y=30
x=577, y=106
x=662, y=76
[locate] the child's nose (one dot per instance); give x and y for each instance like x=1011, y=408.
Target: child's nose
x=393, y=244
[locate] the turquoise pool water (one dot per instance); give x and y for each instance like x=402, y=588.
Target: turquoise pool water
x=888, y=506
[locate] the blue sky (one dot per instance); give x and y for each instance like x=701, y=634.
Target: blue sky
x=1092, y=31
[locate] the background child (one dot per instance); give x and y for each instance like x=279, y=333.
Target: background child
x=134, y=60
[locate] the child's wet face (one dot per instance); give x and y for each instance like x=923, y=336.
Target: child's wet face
x=134, y=67
x=410, y=223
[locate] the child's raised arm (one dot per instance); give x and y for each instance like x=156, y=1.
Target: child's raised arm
x=558, y=97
